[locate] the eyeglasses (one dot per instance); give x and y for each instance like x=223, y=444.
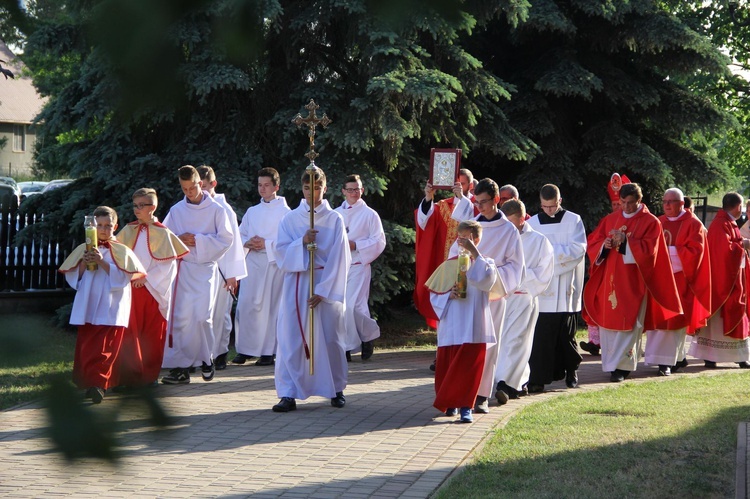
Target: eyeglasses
x=483, y=202
x=504, y=199
x=670, y=201
x=140, y=206
x=352, y=190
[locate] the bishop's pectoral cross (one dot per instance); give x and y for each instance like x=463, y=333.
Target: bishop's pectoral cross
x=311, y=121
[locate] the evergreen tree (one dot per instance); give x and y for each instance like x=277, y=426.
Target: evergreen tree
x=559, y=91
x=598, y=91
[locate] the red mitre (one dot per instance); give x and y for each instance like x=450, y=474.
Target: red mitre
x=613, y=188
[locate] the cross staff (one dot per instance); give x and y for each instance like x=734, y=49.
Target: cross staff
x=311, y=121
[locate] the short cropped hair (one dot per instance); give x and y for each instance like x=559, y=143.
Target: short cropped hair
x=549, y=192
x=487, y=186
x=513, y=207
x=675, y=190
x=146, y=192
x=272, y=173
x=511, y=188
x=106, y=211
x=631, y=189
x=207, y=173
x=689, y=202
x=319, y=177
x=352, y=178
x=731, y=200
x=467, y=173
x=471, y=225
x=188, y=172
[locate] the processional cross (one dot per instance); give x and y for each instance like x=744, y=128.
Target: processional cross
x=311, y=121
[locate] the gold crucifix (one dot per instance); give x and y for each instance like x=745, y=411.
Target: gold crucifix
x=311, y=121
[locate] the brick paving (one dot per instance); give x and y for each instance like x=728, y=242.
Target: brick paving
x=224, y=440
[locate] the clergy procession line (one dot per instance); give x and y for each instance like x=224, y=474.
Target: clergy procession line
x=502, y=288
x=514, y=333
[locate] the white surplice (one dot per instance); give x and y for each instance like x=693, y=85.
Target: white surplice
x=161, y=274
x=189, y=331
x=501, y=242
x=468, y=320
x=231, y=264
x=102, y=299
x=331, y=265
x=522, y=310
x=364, y=228
x=568, y=239
x=260, y=294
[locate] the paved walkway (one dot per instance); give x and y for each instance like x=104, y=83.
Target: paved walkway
x=225, y=441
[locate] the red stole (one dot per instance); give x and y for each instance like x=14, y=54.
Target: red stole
x=615, y=291
x=729, y=281
x=688, y=235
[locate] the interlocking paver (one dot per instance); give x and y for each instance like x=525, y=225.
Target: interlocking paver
x=224, y=439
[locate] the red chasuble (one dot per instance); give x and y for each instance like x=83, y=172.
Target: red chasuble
x=432, y=247
x=729, y=280
x=615, y=290
x=688, y=235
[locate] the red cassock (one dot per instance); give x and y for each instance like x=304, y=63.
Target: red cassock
x=615, y=290
x=97, y=348
x=432, y=247
x=688, y=235
x=729, y=284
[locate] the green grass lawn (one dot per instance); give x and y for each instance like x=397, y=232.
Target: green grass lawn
x=31, y=352
x=653, y=439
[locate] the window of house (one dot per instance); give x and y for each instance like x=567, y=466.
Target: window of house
x=19, y=138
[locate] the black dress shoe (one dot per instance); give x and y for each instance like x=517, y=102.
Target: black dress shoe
x=286, y=404
x=709, y=364
x=535, y=388
x=589, y=347
x=432, y=366
x=348, y=356
x=241, y=359
x=220, y=362
x=744, y=365
x=664, y=371
x=680, y=365
x=368, y=347
x=571, y=379
x=96, y=394
x=338, y=401
x=618, y=375
x=501, y=397
x=265, y=360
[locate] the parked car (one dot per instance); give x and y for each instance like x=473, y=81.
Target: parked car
x=56, y=184
x=31, y=188
x=10, y=188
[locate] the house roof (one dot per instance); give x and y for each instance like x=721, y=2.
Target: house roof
x=19, y=101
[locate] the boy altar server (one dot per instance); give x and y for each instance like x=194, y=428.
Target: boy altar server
x=366, y=242
x=522, y=309
x=465, y=326
x=202, y=224
x=101, y=307
x=258, y=303
x=158, y=249
x=502, y=243
x=331, y=264
x=230, y=268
